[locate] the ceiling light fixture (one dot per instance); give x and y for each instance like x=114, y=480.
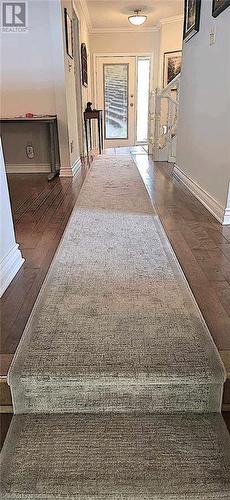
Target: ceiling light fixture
x=136, y=18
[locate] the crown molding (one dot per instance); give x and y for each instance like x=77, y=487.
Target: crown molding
x=124, y=30
x=172, y=19
x=157, y=27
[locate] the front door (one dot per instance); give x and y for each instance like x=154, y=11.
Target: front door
x=115, y=85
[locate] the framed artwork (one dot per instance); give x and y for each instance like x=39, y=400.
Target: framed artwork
x=68, y=34
x=84, y=65
x=191, y=18
x=218, y=6
x=172, y=66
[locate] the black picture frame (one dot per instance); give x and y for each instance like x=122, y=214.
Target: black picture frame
x=191, y=18
x=84, y=65
x=218, y=6
x=166, y=70
x=68, y=33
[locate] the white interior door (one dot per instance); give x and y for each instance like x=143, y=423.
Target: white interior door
x=115, y=87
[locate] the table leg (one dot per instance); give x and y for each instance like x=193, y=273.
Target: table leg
x=99, y=133
x=90, y=135
x=86, y=138
x=102, y=138
x=54, y=170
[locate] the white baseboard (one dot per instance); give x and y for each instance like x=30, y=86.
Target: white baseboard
x=76, y=166
x=226, y=216
x=71, y=171
x=225, y=407
x=171, y=159
x=6, y=409
x=217, y=210
x=29, y=168
x=9, y=267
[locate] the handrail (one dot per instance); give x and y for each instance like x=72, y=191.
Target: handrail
x=171, y=84
x=175, y=101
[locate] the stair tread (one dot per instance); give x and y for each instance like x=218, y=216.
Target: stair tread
x=116, y=456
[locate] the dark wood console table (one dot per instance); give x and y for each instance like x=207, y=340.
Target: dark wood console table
x=95, y=114
x=51, y=121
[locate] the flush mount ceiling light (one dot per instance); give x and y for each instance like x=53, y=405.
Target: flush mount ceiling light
x=137, y=18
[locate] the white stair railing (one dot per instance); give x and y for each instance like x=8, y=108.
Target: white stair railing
x=163, y=112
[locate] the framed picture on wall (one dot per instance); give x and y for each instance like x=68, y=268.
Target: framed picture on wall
x=84, y=65
x=68, y=34
x=172, y=66
x=191, y=18
x=218, y=6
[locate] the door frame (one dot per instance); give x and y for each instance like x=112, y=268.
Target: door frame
x=124, y=54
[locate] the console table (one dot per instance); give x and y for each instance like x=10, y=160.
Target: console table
x=95, y=114
x=51, y=121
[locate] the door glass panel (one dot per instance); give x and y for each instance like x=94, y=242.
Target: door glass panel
x=116, y=101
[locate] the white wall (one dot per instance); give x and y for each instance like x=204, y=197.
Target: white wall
x=203, y=143
x=58, y=68
x=123, y=42
x=70, y=94
x=84, y=38
x=27, y=66
x=36, y=77
x=128, y=43
x=10, y=255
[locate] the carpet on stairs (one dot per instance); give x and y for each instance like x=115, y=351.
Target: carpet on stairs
x=117, y=456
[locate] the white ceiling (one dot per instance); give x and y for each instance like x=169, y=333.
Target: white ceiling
x=113, y=14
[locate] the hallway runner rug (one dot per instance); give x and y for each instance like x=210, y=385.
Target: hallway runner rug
x=116, y=383
x=115, y=327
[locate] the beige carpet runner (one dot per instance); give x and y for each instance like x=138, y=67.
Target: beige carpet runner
x=117, y=377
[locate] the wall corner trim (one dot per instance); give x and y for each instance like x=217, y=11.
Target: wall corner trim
x=9, y=267
x=85, y=10
x=213, y=206
x=70, y=171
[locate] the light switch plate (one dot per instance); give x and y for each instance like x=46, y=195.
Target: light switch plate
x=212, y=37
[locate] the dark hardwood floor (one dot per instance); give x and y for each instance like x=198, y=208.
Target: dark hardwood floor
x=202, y=246
x=5, y=419
x=40, y=212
